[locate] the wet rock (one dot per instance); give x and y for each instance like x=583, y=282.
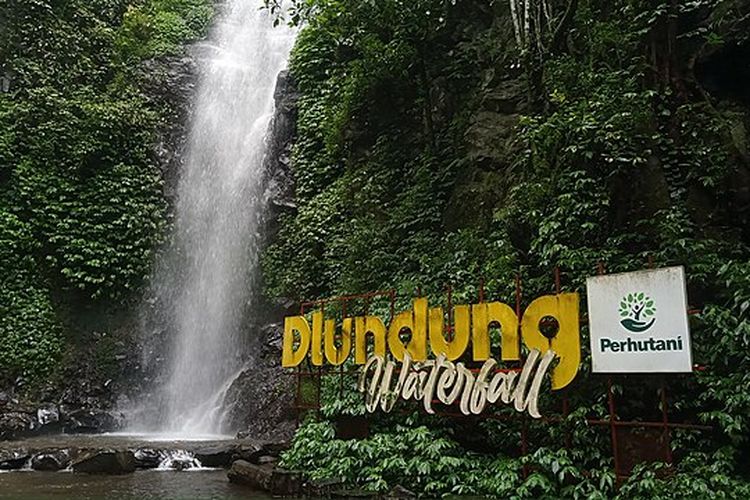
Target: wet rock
x=171, y=82
x=146, y=458
x=183, y=463
x=255, y=476
x=51, y=460
x=179, y=460
x=261, y=399
x=325, y=487
x=266, y=459
x=353, y=494
x=250, y=452
x=285, y=482
x=48, y=414
x=216, y=457
x=399, y=492
x=105, y=462
x=89, y=422
x=13, y=459
x=276, y=448
x=16, y=424
x=280, y=189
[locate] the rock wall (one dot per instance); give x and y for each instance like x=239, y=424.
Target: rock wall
x=260, y=401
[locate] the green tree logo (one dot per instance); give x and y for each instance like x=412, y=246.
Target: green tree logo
x=637, y=312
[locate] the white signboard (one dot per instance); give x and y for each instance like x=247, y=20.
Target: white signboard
x=638, y=322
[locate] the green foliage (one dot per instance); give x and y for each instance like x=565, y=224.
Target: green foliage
x=159, y=27
x=420, y=163
x=429, y=462
x=30, y=333
x=81, y=199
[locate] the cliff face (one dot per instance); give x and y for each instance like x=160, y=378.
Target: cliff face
x=448, y=141
x=260, y=401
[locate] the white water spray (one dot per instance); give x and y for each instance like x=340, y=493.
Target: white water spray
x=204, y=284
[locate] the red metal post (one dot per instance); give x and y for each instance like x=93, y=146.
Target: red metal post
x=665, y=419
x=613, y=425
x=450, y=312
x=565, y=403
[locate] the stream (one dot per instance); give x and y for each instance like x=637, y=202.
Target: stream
x=177, y=473
x=198, y=484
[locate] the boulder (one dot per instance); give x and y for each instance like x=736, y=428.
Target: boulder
x=105, y=462
x=182, y=463
x=15, y=424
x=13, y=459
x=285, y=482
x=353, y=494
x=179, y=460
x=48, y=415
x=276, y=448
x=255, y=476
x=84, y=421
x=147, y=458
x=266, y=459
x=51, y=460
x=250, y=452
x=399, y=492
x=220, y=456
x=323, y=488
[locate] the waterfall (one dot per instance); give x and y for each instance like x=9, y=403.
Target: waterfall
x=204, y=283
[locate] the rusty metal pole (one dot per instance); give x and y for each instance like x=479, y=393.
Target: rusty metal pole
x=524, y=423
x=450, y=312
x=320, y=368
x=565, y=402
x=667, y=435
x=341, y=366
x=298, y=388
x=613, y=426
x=665, y=419
x=611, y=406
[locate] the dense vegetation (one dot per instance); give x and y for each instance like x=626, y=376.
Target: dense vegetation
x=439, y=143
x=81, y=202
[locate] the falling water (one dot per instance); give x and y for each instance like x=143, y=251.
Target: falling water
x=204, y=284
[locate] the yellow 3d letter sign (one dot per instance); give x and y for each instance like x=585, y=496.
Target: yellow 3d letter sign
x=426, y=328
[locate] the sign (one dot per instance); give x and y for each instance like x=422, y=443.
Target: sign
x=638, y=322
x=380, y=349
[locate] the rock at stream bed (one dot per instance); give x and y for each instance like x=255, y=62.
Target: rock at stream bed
x=13, y=459
x=399, y=492
x=250, y=452
x=353, y=494
x=83, y=421
x=255, y=476
x=147, y=458
x=16, y=424
x=285, y=482
x=275, y=480
x=51, y=460
x=105, y=462
x=220, y=456
x=48, y=414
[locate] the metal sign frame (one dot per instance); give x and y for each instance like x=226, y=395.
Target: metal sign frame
x=620, y=430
